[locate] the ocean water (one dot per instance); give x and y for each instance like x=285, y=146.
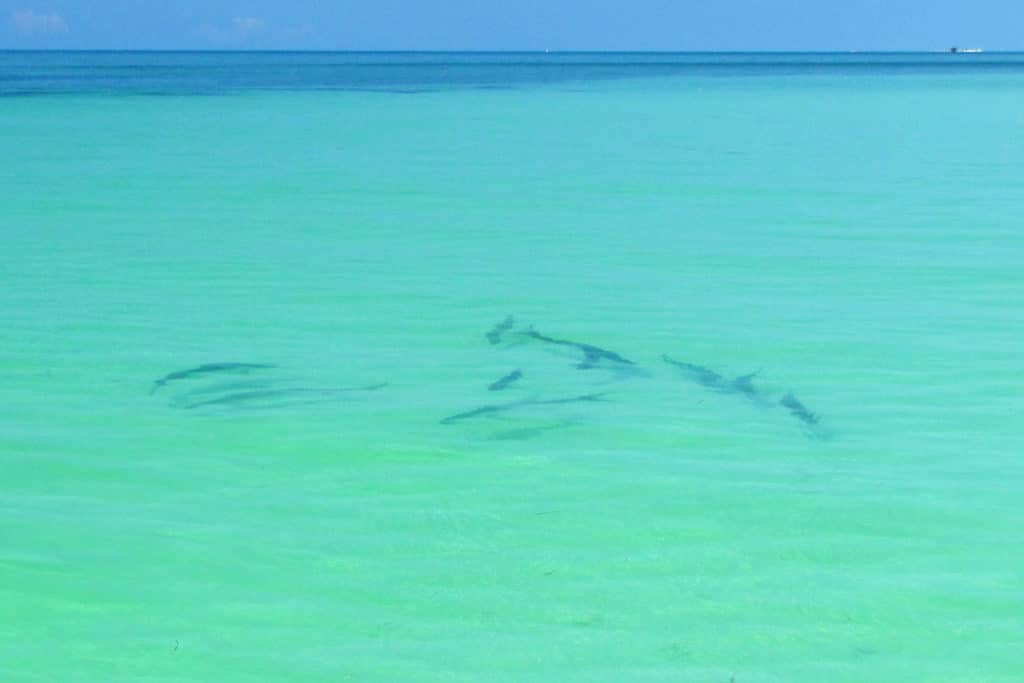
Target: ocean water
x=354, y=502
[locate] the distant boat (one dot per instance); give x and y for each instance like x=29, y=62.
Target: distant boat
x=965, y=50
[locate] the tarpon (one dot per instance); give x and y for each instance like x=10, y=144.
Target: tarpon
x=209, y=368
x=799, y=410
x=743, y=385
x=701, y=375
x=592, y=355
x=505, y=381
x=494, y=336
x=706, y=377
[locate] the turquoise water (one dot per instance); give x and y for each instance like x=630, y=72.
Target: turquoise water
x=851, y=233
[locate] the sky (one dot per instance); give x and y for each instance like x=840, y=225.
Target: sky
x=512, y=24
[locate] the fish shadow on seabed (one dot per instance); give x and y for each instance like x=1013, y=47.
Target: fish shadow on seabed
x=530, y=432
x=275, y=398
x=494, y=409
x=208, y=390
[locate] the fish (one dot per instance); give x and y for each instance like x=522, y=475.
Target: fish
x=701, y=375
x=482, y=410
x=209, y=368
x=706, y=377
x=743, y=385
x=799, y=410
x=506, y=381
x=504, y=407
x=494, y=336
x=592, y=355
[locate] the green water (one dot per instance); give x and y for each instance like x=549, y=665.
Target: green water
x=856, y=238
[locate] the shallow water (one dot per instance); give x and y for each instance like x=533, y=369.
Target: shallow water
x=850, y=234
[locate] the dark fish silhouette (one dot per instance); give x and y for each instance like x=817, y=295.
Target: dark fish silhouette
x=482, y=410
x=209, y=368
x=744, y=386
x=249, y=397
x=592, y=355
x=707, y=377
x=700, y=374
x=494, y=336
x=799, y=410
x=504, y=407
x=505, y=381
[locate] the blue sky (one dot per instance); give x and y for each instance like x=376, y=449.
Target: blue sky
x=513, y=24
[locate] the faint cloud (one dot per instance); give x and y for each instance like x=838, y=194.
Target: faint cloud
x=30, y=22
x=248, y=26
x=250, y=31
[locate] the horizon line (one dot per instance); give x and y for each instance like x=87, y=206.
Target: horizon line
x=946, y=50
